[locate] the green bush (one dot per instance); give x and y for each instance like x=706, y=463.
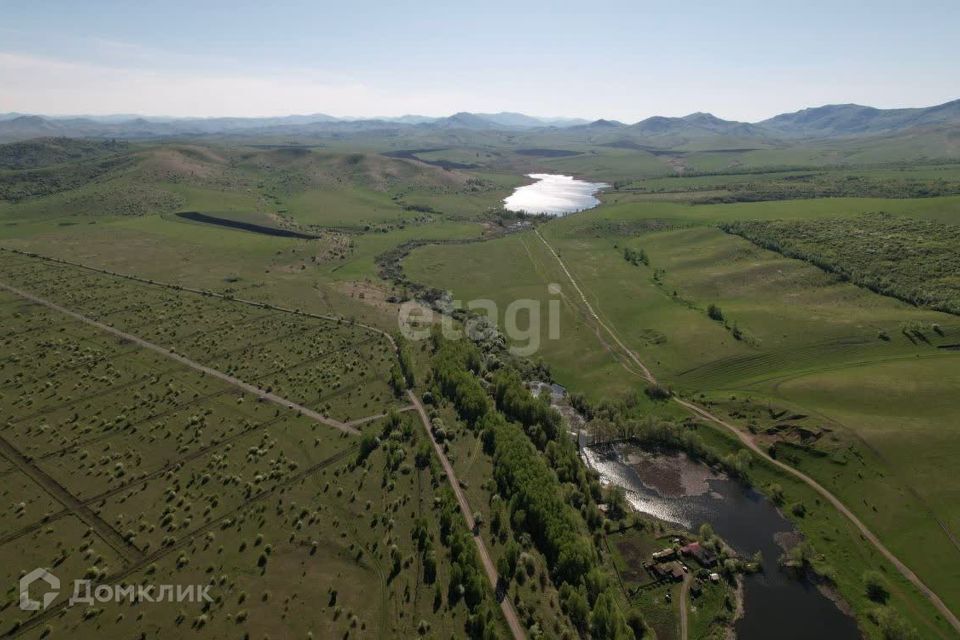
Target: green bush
x=876, y=586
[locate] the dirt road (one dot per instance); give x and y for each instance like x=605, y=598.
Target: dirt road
x=190, y=538
x=684, y=604
x=837, y=504
x=377, y=416
x=207, y=293
x=628, y=352
x=249, y=388
x=505, y=605
x=749, y=442
x=124, y=549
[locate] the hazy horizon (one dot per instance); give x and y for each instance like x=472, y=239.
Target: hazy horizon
x=747, y=61
x=352, y=117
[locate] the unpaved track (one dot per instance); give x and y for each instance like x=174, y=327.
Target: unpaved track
x=249, y=388
x=838, y=505
x=119, y=577
x=628, y=352
x=505, y=605
x=360, y=421
x=127, y=551
x=684, y=604
x=211, y=294
x=748, y=441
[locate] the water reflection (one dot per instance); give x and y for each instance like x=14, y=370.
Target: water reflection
x=554, y=195
x=676, y=489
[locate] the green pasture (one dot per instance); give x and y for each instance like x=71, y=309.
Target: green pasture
x=808, y=340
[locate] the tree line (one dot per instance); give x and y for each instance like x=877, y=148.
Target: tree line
x=550, y=499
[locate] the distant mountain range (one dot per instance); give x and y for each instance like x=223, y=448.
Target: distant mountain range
x=820, y=122
x=854, y=119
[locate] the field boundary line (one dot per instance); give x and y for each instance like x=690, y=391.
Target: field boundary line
x=283, y=402
x=162, y=552
x=206, y=293
x=74, y=505
x=130, y=484
x=193, y=455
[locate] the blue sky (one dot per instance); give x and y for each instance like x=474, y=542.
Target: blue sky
x=614, y=59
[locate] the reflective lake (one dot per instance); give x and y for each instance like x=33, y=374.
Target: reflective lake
x=553, y=195
x=676, y=489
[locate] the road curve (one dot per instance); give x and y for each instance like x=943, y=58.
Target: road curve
x=748, y=441
x=249, y=388
x=505, y=605
x=838, y=505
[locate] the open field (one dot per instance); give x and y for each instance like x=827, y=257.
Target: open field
x=299, y=358
x=582, y=321
x=900, y=415
x=788, y=335
x=124, y=463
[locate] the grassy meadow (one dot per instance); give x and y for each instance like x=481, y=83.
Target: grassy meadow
x=862, y=371
x=191, y=480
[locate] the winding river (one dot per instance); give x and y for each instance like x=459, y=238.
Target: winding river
x=554, y=195
x=678, y=490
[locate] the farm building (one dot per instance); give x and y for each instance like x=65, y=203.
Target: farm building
x=701, y=554
x=668, y=571
x=664, y=554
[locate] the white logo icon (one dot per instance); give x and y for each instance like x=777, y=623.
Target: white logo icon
x=26, y=602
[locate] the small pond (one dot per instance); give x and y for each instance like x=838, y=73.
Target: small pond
x=675, y=489
x=554, y=195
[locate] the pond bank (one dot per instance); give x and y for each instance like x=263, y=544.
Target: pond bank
x=673, y=488
x=554, y=195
